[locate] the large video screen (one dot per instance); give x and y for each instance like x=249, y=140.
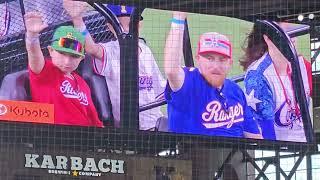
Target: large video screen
x=217, y=76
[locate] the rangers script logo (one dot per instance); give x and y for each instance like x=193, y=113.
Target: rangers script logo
x=215, y=116
x=68, y=92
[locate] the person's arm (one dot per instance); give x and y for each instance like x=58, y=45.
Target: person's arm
x=260, y=100
x=250, y=125
x=75, y=9
x=173, y=52
x=34, y=25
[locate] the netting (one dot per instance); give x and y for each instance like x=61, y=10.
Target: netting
x=31, y=151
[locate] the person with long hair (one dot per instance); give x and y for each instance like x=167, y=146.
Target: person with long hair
x=269, y=88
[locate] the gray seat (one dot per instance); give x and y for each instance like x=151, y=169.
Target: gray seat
x=15, y=86
x=162, y=124
x=99, y=90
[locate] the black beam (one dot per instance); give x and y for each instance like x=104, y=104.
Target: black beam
x=296, y=165
x=283, y=173
x=264, y=168
x=129, y=72
x=226, y=161
x=151, y=105
x=254, y=164
x=187, y=49
x=277, y=165
x=282, y=157
x=315, y=55
x=309, y=166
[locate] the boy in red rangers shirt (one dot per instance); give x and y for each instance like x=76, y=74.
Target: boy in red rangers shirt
x=54, y=80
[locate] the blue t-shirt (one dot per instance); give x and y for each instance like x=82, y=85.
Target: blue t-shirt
x=199, y=108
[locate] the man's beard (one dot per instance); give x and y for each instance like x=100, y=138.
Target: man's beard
x=216, y=80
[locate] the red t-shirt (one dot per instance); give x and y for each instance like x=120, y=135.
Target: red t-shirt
x=71, y=97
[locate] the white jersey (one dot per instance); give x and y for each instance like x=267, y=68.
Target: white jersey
x=266, y=94
x=151, y=82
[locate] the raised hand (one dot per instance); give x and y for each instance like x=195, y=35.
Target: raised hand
x=34, y=23
x=75, y=8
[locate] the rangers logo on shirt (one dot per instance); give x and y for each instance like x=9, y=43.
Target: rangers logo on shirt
x=68, y=92
x=215, y=116
x=288, y=117
x=145, y=82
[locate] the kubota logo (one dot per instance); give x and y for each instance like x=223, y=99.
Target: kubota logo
x=26, y=111
x=3, y=109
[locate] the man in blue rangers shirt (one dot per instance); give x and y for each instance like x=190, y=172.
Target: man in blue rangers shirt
x=202, y=101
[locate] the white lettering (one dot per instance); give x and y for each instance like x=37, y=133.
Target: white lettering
x=61, y=162
x=68, y=92
x=215, y=113
x=31, y=161
x=90, y=168
x=101, y=166
x=58, y=172
x=212, y=108
x=76, y=163
x=90, y=165
x=47, y=162
x=117, y=164
x=89, y=174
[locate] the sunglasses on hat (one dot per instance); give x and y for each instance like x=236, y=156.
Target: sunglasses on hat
x=70, y=44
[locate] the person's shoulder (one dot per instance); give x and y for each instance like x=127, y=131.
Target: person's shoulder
x=258, y=80
x=261, y=64
x=255, y=78
x=258, y=71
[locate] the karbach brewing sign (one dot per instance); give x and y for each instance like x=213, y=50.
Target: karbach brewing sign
x=74, y=166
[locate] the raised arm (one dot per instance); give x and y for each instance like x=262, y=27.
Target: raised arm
x=173, y=51
x=34, y=25
x=76, y=9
